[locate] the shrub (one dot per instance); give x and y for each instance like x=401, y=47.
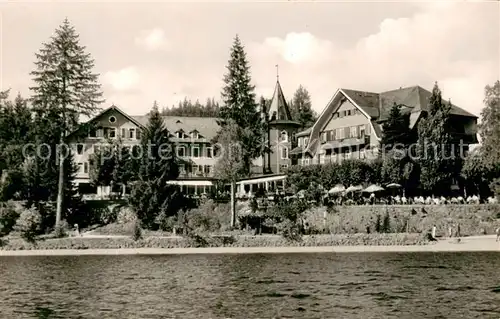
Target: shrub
x=137, y=235
x=125, y=215
x=29, y=224
x=8, y=216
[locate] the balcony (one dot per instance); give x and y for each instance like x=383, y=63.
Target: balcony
x=196, y=175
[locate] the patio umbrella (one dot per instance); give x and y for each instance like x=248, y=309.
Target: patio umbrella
x=337, y=189
x=373, y=189
x=393, y=185
x=352, y=189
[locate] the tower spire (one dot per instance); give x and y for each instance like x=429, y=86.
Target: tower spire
x=277, y=73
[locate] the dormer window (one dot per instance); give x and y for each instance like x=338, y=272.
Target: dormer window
x=195, y=135
x=180, y=134
x=284, y=136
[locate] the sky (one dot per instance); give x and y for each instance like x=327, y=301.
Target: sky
x=166, y=51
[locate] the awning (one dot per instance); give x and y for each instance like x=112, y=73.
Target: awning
x=191, y=183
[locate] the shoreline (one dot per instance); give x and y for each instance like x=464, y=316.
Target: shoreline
x=476, y=244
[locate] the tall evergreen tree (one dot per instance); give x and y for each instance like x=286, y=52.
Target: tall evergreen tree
x=396, y=129
x=489, y=129
x=239, y=101
x=301, y=108
x=152, y=197
x=439, y=156
x=65, y=88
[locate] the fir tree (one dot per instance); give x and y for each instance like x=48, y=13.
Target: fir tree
x=489, y=129
x=301, y=108
x=239, y=101
x=396, y=129
x=439, y=157
x=65, y=88
x=151, y=195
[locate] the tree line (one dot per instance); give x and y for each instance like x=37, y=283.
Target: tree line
x=65, y=87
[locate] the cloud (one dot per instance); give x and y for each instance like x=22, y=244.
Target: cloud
x=152, y=40
x=125, y=79
x=453, y=43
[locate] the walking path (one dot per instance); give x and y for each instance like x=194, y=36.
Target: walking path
x=467, y=244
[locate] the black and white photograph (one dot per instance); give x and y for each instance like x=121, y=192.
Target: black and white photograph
x=250, y=159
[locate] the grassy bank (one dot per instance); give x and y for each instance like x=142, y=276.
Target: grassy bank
x=209, y=241
x=473, y=219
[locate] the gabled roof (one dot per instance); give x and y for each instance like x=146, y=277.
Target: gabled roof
x=368, y=101
x=105, y=111
x=278, y=104
x=206, y=126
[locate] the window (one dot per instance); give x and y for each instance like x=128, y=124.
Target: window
x=305, y=161
x=79, y=149
x=208, y=168
x=322, y=158
x=100, y=132
x=346, y=132
x=284, y=153
x=138, y=134
x=194, y=135
x=80, y=167
x=284, y=136
x=324, y=137
x=131, y=133
x=181, y=151
x=306, y=140
x=180, y=134
x=182, y=168
x=300, y=141
x=348, y=113
x=354, y=131
x=210, y=151
x=112, y=119
x=93, y=133
x=124, y=133
x=86, y=167
x=112, y=132
x=362, y=131
x=196, y=151
x=340, y=133
x=334, y=135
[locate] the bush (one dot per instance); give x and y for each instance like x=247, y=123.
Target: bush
x=29, y=224
x=9, y=213
x=125, y=215
x=137, y=235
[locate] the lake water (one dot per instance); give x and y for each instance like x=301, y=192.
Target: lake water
x=345, y=286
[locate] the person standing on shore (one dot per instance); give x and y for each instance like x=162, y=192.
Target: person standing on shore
x=434, y=231
x=458, y=230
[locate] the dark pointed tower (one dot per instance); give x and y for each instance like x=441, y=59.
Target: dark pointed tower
x=281, y=132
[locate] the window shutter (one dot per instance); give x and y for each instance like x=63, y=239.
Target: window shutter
x=367, y=129
x=346, y=132
x=358, y=134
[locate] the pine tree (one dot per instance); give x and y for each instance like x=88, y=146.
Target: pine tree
x=396, y=130
x=65, y=88
x=439, y=157
x=239, y=101
x=301, y=108
x=489, y=129
x=151, y=195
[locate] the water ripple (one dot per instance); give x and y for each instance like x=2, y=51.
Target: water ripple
x=348, y=286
